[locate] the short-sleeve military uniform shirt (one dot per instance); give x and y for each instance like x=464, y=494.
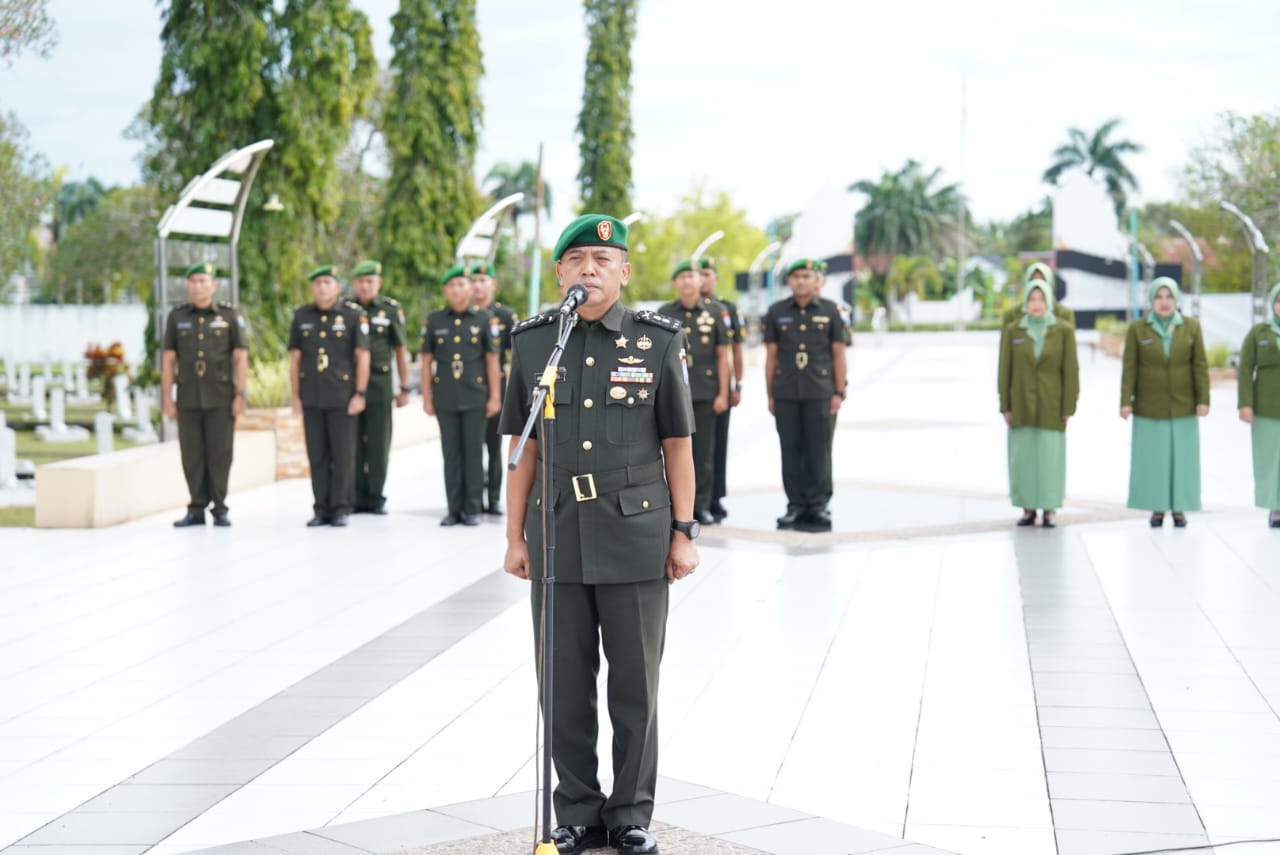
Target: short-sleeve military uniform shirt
x=204, y=340
x=805, y=337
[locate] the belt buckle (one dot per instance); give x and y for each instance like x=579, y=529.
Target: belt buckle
x=590, y=495
x=200, y=367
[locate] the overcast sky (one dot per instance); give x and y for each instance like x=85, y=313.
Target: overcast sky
x=768, y=100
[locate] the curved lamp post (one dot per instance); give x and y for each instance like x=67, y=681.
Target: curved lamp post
x=706, y=243
x=1148, y=272
x=1197, y=264
x=756, y=274
x=1259, y=254
x=480, y=240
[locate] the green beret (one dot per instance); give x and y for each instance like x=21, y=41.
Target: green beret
x=687, y=264
x=201, y=267
x=592, y=230
x=323, y=270
x=368, y=268
x=804, y=264
x=706, y=263
x=457, y=270
x=482, y=270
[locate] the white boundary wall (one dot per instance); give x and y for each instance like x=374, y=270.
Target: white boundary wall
x=35, y=333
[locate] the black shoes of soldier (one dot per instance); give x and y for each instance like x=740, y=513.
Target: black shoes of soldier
x=574, y=839
x=192, y=518
x=221, y=520
x=379, y=510
x=338, y=520
x=317, y=521
x=816, y=521
x=452, y=519
x=633, y=840
x=718, y=511
x=704, y=518
x=471, y=519
x=787, y=521
x=494, y=509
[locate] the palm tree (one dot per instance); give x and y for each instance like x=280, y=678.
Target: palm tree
x=906, y=214
x=1098, y=154
x=521, y=178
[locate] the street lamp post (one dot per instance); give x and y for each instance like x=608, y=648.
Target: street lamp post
x=1259, y=254
x=1148, y=272
x=755, y=274
x=1197, y=264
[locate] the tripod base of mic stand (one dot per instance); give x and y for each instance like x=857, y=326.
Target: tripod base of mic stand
x=545, y=849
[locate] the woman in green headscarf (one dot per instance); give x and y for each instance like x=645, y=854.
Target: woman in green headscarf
x=1259, y=379
x=1165, y=387
x=1039, y=382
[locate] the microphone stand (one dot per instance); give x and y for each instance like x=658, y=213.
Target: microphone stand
x=544, y=404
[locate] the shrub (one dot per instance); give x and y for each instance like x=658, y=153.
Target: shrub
x=269, y=383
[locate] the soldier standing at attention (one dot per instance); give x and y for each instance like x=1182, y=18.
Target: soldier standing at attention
x=707, y=354
x=805, y=378
x=373, y=426
x=732, y=319
x=624, y=476
x=462, y=393
x=205, y=343
x=329, y=374
x=483, y=286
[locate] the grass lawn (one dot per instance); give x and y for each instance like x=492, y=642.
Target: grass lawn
x=22, y=516
x=31, y=448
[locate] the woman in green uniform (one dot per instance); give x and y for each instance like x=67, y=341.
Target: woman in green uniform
x=1039, y=383
x=1259, y=379
x=1165, y=387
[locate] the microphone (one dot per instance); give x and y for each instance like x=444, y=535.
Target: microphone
x=576, y=297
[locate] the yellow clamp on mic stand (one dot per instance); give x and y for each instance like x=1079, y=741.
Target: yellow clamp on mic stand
x=545, y=849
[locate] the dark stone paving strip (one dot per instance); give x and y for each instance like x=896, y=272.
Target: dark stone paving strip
x=145, y=809
x=1113, y=783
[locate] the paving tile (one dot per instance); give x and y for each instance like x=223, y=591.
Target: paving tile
x=249, y=847
x=109, y=828
x=307, y=843
x=503, y=813
x=241, y=747
x=723, y=813
x=1118, y=762
x=1113, y=787
x=1145, y=817
x=1062, y=716
x=402, y=831
x=204, y=771
x=1105, y=842
x=20, y=849
x=1130, y=739
x=814, y=836
x=158, y=798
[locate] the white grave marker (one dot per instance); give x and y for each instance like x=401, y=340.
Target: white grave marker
x=58, y=430
x=37, y=400
x=104, y=432
x=143, y=431
x=124, y=412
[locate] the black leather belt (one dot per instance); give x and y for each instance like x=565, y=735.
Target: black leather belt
x=591, y=485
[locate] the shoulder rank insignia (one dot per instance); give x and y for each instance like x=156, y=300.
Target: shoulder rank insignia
x=391, y=301
x=535, y=321
x=657, y=320
x=225, y=304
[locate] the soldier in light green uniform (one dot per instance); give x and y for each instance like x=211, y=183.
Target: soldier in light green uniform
x=1164, y=385
x=804, y=373
x=462, y=392
x=205, y=353
x=1258, y=377
x=501, y=322
x=737, y=328
x=623, y=490
x=387, y=341
x=329, y=375
x=1039, y=382
x=707, y=352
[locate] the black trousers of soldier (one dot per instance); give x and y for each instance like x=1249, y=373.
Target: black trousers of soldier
x=373, y=448
x=493, y=469
x=461, y=441
x=704, y=453
x=331, y=450
x=803, y=430
x=631, y=622
x=206, y=439
x=719, y=484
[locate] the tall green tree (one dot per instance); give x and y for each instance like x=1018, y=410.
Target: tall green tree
x=431, y=127
x=907, y=213
x=100, y=257
x=1097, y=154
x=25, y=191
x=26, y=24
x=1241, y=164
x=604, y=124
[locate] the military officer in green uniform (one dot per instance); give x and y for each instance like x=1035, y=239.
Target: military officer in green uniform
x=624, y=524
x=205, y=353
x=484, y=286
x=462, y=392
x=805, y=379
x=387, y=340
x=737, y=328
x=329, y=375
x=707, y=354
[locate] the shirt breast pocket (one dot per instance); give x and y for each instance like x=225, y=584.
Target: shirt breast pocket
x=1268, y=352
x=628, y=419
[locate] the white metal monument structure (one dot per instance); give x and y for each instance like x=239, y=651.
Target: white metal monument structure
x=1260, y=255
x=1197, y=264
x=208, y=216
x=481, y=240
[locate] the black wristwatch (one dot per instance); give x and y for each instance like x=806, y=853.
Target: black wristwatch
x=361, y=393
x=690, y=529
x=843, y=393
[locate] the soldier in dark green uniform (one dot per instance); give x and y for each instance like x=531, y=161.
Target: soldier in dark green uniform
x=805, y=378
x=205, y=343
x=462, y=393
x=624, y=487
x=737, y=328
x=707, y=353
x=329, y=374
x=387, y=340
x=483, y=286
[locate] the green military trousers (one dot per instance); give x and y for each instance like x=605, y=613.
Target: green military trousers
x=373, y=449
x=631, y=622
x=331, y=450
x=803, y=430
x=719, y=483
x=206, y=439
x=461, y=443
x=704, y=453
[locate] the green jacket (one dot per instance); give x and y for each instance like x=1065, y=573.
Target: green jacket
x=328, y=340
x=386, y=333
x=1164, y=388
x=705, y=333
x=205, y=341
x=1039, y=394
x=458, y=341
x=1259, y=372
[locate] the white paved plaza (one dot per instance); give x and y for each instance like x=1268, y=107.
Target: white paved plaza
x=927, y=678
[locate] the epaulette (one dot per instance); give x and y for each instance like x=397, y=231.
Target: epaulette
x=353, y=304
x=180, y=306
x=391, y=301
x=535, y=321
x=226, y=304
x=657, y=320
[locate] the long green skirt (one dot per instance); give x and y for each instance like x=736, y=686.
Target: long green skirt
x=1164, y=467
x=1266, y=463
x=1037, y=468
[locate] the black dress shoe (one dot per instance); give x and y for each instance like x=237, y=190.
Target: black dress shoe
x=718, y=511
x=317, y=521
x=1028, y=518
x=221, y=521
x=1179, y=520
x=378, y=510
x=471, y=519
x=494, y=509
x=573, y=839
x=788, y=520
x=360, y=509
x=192, y=518
x=1047, y=521
x=633, y=840
x=1273, y=519
x=338, y=520
x=704, y=518
x=452, y=519
x=1157, y=520
x=814, y=521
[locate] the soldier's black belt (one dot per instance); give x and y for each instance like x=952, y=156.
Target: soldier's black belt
x=591, y=485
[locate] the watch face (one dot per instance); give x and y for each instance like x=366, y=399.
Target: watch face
x=695, y=529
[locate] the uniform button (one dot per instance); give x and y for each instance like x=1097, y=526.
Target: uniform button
x=630, y=401
x=200, y=353
x=457, y=338
x=591, y=360
x=457, y=322
x=645, y=503
x=586, y=445
x=588, y=403
x=803, y=328
x=324, y=318
x=202, y=320
x=201, y=336
x=457, y=356
x=709, y=372
x=802, y=347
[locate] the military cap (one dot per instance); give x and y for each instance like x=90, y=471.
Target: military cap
x=368, y=268
x=592, y=230
x=482, y=269
x=706, y=263
x=805, y=264
x=323, y=270
x=201, y=267
x=687, y=264
x=457, y=270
